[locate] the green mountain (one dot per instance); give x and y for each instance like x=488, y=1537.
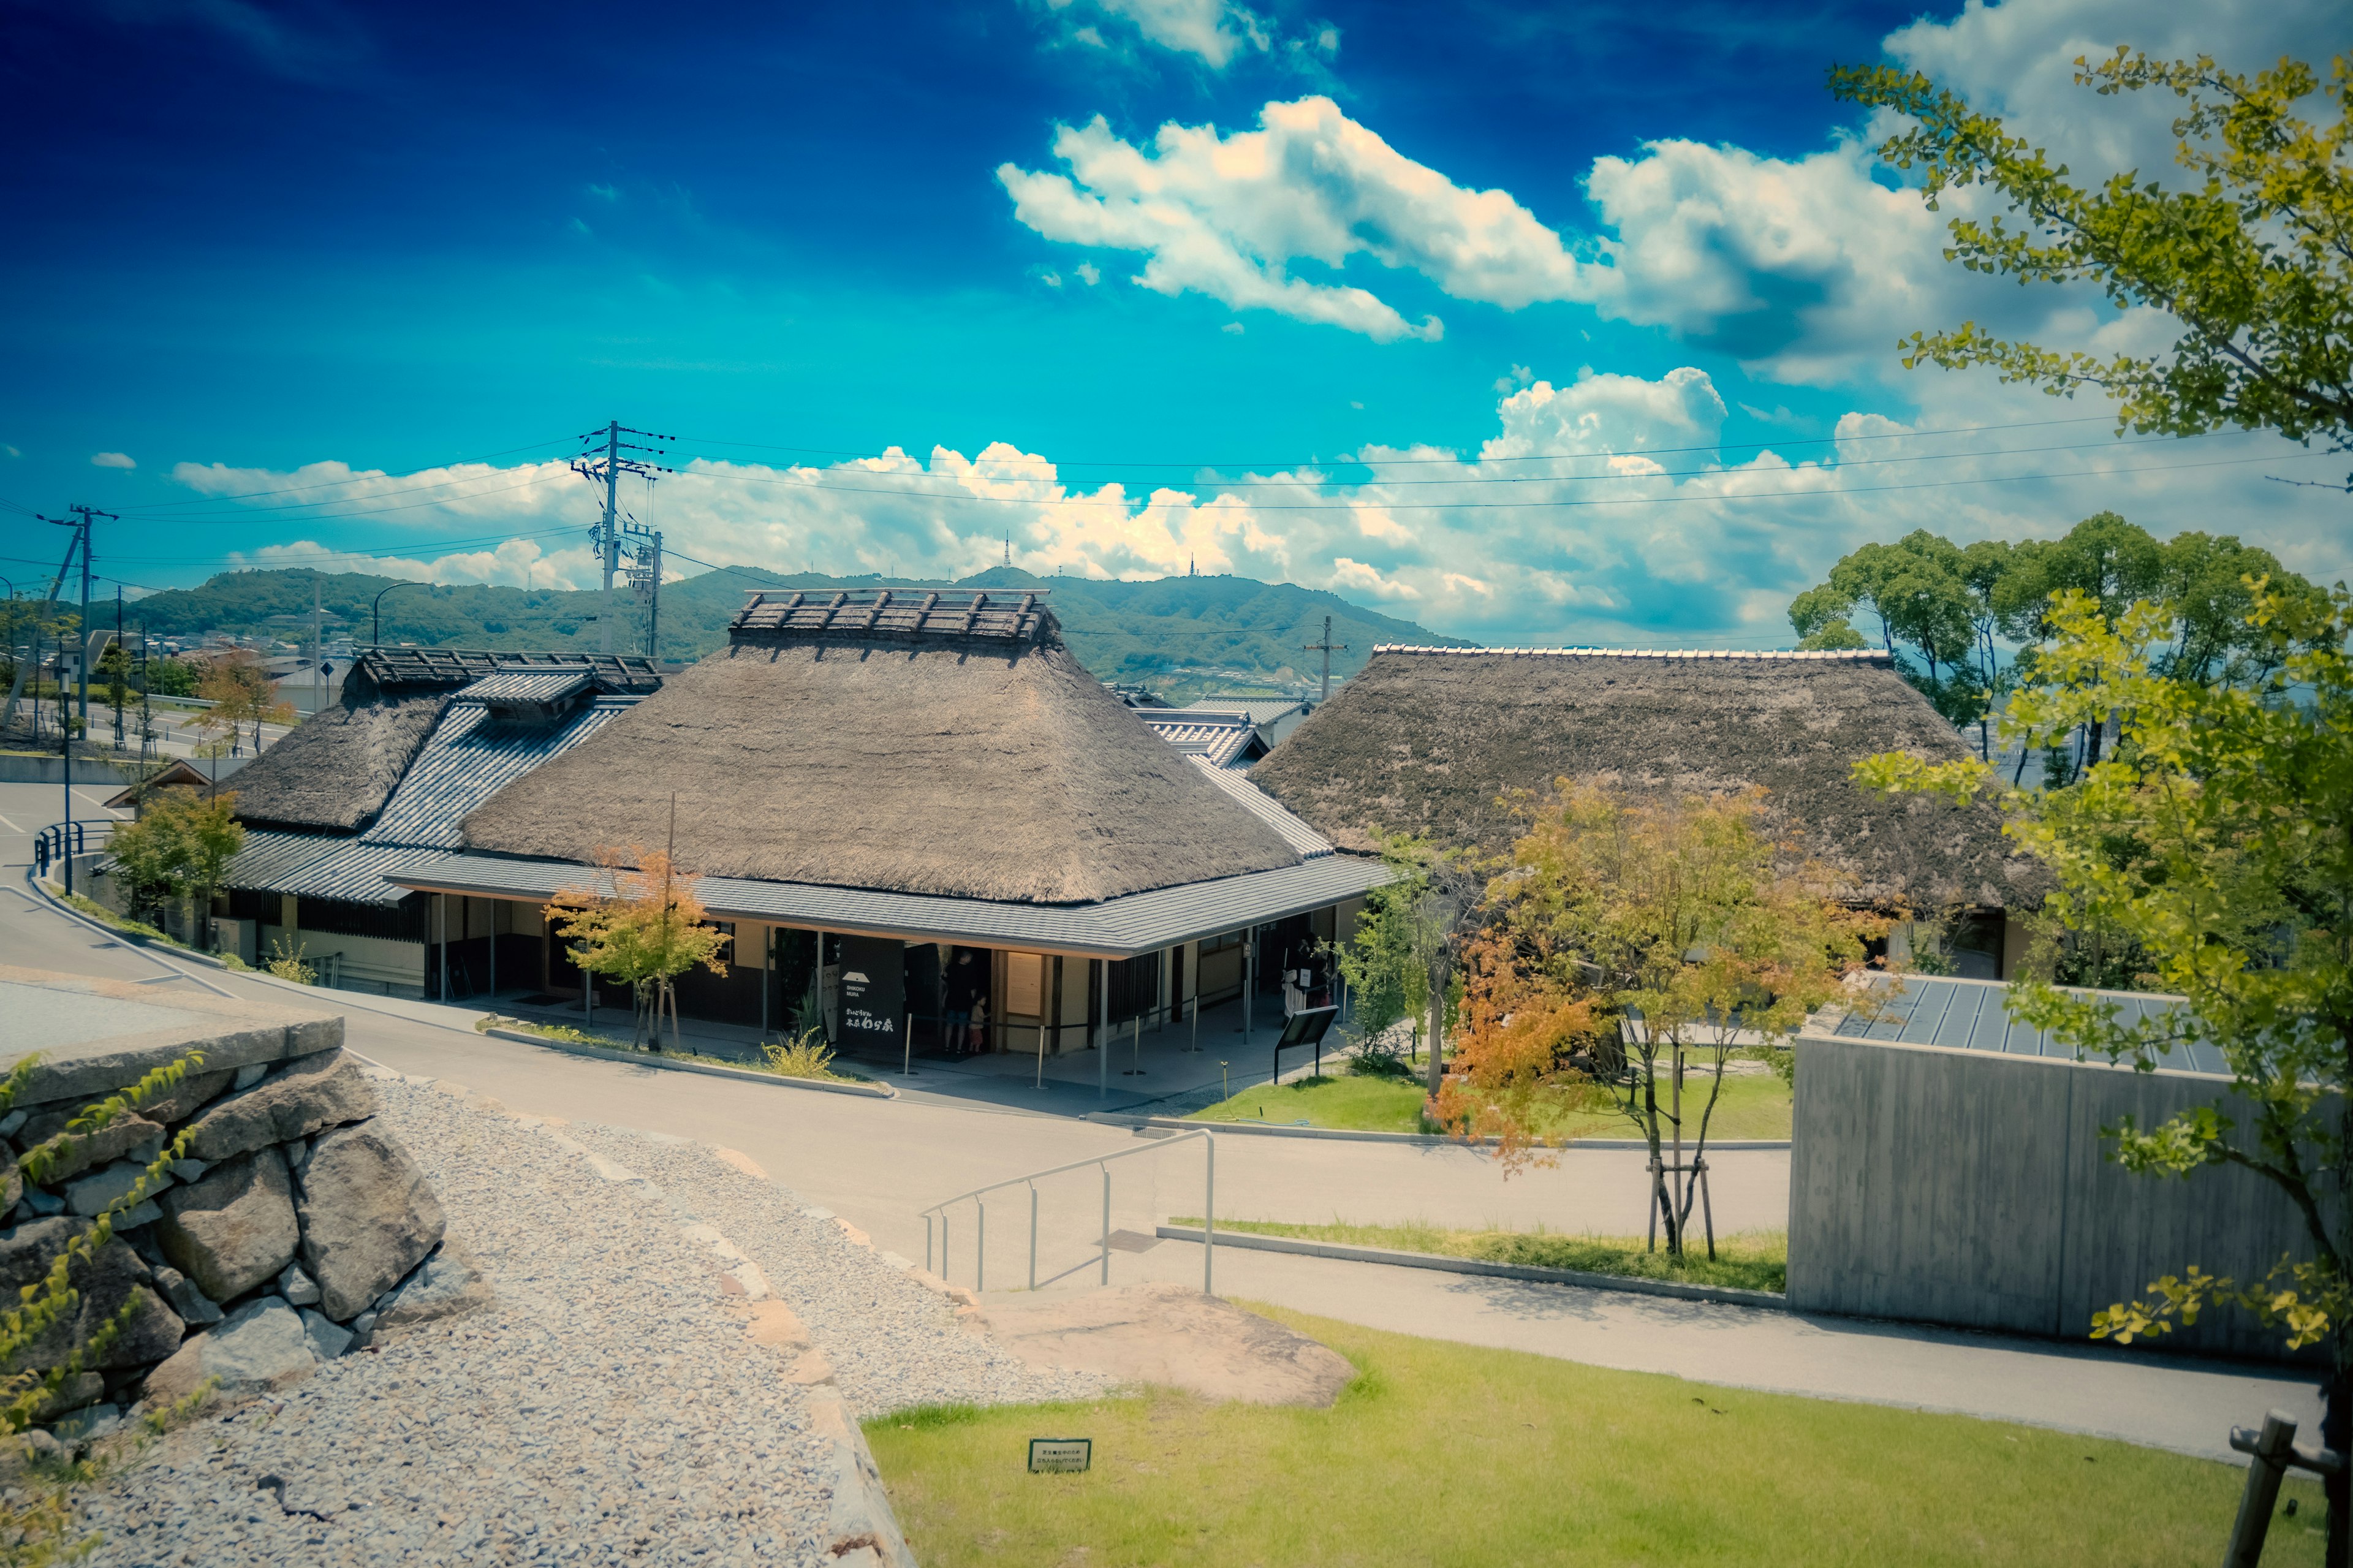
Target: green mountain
x=1181, y=635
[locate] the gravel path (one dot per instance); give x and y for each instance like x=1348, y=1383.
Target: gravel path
x=606, y=1409
x=893, y=1344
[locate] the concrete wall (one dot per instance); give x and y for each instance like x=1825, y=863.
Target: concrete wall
x=1969, y=1188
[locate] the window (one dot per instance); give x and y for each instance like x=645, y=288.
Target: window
x=1225, y=944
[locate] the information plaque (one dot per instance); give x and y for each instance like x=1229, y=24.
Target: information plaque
x=1060, y=1454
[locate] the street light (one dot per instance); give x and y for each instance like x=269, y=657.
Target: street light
x=375, y=613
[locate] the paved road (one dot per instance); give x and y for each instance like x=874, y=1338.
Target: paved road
x=878, y=1163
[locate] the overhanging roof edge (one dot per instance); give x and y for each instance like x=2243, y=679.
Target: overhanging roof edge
x=1117, y=927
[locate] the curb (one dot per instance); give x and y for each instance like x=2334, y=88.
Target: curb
x=650, y=1060
x=1727, y=1296
x=1423, y=1140
x=165, y=954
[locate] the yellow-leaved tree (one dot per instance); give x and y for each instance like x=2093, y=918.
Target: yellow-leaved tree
x=640, y=923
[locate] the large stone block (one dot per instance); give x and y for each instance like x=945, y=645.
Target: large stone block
x=233, y=1229
x=73, y=1152
x=110, y=1277
x=368, y=1217
x=193, y=1092
x=445, y=1285
x=261, y=1347
x=325, y=1090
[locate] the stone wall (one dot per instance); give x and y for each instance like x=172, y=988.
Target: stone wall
x=295, y=1229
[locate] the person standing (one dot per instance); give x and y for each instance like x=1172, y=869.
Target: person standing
x=968, y=983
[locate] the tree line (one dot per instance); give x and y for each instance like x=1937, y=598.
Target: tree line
x=1968, y=625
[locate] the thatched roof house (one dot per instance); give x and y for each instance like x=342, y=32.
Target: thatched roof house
x=1429, y=740
x=336, y=769
x=938, y=753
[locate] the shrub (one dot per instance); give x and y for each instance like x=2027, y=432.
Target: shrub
x=805, y=1056
x=286, y=963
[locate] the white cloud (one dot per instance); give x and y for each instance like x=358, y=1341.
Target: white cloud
x=111, y=460
x=1088, y=273
x=1232, y=329
x=1651, y=535
x=1212, y=31
x=1227, y=216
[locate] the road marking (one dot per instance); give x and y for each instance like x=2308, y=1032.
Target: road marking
x=10, y=826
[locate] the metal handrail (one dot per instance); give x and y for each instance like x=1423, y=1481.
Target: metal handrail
x=975, y=1197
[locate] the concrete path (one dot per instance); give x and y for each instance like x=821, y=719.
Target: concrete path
x=879, y=1163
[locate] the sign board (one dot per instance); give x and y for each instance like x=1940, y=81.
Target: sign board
x=873, y=991
x=1306, y=1027
x=1060, y=1454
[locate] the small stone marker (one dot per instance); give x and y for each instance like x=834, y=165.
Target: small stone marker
x=1060, y=1454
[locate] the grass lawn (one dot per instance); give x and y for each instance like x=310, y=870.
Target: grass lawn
x=1752, y=1261
x=1754, y=1105
x=1445, y=1454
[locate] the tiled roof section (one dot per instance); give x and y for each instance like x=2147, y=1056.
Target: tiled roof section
x=527, y=686
x=470, y=756
x=1115, y=928
x=1974, y=1016
x=450, y=667
x=1842, y=656
x=1220, y=737
x=1258, y=710
x=268, y=857
x=1266, y=808
x=896, y=615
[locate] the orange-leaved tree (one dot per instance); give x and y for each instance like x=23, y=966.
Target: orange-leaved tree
x=1630, y=940
x=640, y=922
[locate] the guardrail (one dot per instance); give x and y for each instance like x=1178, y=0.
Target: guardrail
x=51, y=843
x=978, y=1196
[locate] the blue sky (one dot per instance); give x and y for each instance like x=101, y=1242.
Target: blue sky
x=1341, y=282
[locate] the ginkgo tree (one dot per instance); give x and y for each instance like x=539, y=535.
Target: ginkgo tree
x=639, y=924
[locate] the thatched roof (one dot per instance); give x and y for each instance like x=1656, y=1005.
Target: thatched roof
x=1427, y=741
x=904, y=757
x=336, y=769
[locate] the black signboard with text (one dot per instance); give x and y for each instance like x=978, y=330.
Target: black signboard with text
x=873, y=993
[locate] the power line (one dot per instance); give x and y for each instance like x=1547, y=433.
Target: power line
x=274, y=514
x=1224, y=486
x=1127, y=505
x=1522, y=457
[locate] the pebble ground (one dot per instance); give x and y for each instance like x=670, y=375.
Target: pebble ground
x=893, y=1344
x=606, y=1408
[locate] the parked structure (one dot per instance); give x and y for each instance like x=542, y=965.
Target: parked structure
x=870, y=786
x=1433, y=741
x=1948, y=1165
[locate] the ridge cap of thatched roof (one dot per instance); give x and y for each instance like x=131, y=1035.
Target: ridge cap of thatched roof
x=1015, y=616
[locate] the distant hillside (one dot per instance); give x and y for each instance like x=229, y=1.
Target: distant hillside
x=1181, y=635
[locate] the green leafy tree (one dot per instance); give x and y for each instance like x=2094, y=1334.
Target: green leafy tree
x=1385, y=961
x=2217, y=838
x=178, y=849
x=1919, y=589
x=171, y=678
x=2255, y=261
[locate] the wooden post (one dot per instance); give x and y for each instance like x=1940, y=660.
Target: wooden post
x=1102, y=1069
x=2268, y=1452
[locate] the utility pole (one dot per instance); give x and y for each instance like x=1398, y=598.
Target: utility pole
x=1327, y=646
x=122, y=654
x=607, y=468
x=48, y=602
x=82, y=663
x=645, y=576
